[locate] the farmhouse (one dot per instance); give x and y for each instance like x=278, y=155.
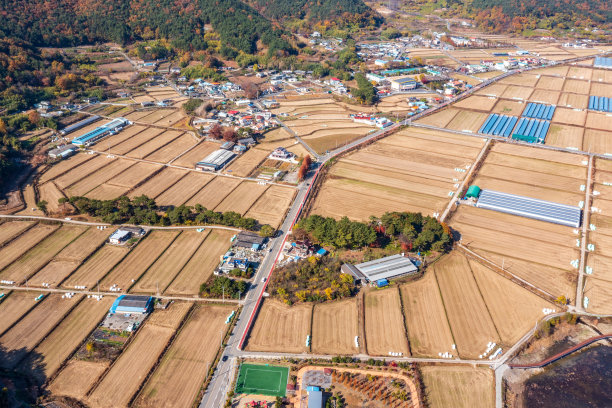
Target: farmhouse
x=128, y=304
x=403, y=84
x=530, y=207
x=280, y=153
x=390, y=267
x=119, y=237
x=62, y=152
x=124, y=233
x=215, y=161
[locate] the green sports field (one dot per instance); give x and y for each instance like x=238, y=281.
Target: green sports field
x=262, y=380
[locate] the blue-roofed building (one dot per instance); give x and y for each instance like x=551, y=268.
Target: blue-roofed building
x=381, y=283
x=315, y=399
x=128, y=304
x=98, y=133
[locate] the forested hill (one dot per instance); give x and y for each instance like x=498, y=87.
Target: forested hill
x=74, y=22
x=318, y=10
x=517, y=15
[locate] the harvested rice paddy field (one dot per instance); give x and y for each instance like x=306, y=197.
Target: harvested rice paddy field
x=170, y=263
x=567, y=87
x=542, y=259
x=183, y=190
x=513, y=308
x=182, y=370
x=469, y=318
x=70, y=258
x=242, y=197
x=34, y=259
x=21, y=244
x=23, y=336
x=11, y=229
x=116, y=388
x=323, y=123
x=155, y=145
x=196, y=154
x=94, y=179
x=598, y=285
x=173, y=149
x=138, y=260
x=64, y=166
x=384, y=323
x=281, y=327
x=271, y=206
x=96, y=267
x=159, y=183
x=50, y=193
x=214, y=192
x=334, y=327
x=428, y=329
x=79, y=172
x=135, y=141
x=77, y=377
x=71, y=332
x=413, y=170
x=14, y=305
x=460, y=387
x=202, y=263
x=244, y=165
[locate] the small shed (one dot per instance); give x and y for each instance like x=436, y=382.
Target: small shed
x=473, y=192
x=381, y=283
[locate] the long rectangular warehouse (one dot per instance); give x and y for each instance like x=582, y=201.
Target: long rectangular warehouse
x=390, y=267
x=530, y=207
x=79, y=125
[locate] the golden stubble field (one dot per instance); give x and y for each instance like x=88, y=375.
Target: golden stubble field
x=177, y=379
x=384, y=323
x=281, y=328
x=334, y=327
x=460, y=387
x=116, y=388
x=413, y=170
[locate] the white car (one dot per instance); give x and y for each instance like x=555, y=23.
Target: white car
x=263, y=280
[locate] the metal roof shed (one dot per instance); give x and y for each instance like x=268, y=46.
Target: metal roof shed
x=131, y=304
x=530, y=207
x=390, y=267
x=473, y=191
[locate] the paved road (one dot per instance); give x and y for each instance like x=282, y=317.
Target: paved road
x=146, y=227
x=214, y=395
x=92, y=292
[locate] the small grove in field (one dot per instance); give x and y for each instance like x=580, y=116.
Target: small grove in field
x=143, y=210
x=313, y=279
x=221, y=286
x=408, y=230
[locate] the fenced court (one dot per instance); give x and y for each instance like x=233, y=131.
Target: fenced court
x=262, y=380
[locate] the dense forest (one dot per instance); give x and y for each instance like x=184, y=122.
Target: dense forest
x=524, y=16
x=73, y=22
x=410, y=231
x=320, y=10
